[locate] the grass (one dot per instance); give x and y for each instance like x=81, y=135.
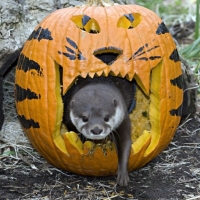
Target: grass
x=162, y=8
x=192, y=51
x=197, y=27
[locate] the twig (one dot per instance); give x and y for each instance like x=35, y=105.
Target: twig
x=192, y=88
x=197, y=197
x=184, y=123
x=195, y=130
x=187, y=181
x=106, y=192
x=111, y=197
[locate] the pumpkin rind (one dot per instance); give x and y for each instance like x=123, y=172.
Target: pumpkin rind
x=148, y=54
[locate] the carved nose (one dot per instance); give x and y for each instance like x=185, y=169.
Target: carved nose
x=108, y=55
x=96, y=130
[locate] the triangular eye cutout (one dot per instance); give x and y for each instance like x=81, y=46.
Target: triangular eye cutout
x=129, y=21
x=85, y=23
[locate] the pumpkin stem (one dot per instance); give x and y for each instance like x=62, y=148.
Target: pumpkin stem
x=99, y=3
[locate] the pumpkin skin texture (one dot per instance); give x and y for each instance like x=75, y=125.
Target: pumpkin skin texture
x=73, y=39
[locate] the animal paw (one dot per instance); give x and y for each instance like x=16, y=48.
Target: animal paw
x=122, y=178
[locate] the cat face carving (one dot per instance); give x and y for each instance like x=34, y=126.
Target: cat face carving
x=128, y=41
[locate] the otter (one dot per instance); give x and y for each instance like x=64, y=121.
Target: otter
x=99, y=107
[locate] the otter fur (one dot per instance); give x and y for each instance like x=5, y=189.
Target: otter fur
x=99, y=107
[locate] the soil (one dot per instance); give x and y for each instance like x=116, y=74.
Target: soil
x=174, y=174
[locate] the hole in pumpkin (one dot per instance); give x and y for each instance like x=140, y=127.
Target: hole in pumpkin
x=108, y=55
x=86, y=23
x=70, y=142
x=140, y=126
x=126, y=87
x=129, y=21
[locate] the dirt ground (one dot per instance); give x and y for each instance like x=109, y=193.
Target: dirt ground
x=175, y=174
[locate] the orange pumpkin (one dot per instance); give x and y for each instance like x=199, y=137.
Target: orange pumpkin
x=73, y=39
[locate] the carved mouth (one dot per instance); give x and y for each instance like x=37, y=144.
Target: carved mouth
x=108, y=55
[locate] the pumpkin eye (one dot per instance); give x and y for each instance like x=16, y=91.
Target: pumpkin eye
x=129, y=21
x=84, y=119
x=106, y=118
x=86, y=23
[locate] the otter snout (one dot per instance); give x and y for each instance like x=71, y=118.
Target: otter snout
x=96, y=130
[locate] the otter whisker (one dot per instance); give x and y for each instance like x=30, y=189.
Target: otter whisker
x=116, y=134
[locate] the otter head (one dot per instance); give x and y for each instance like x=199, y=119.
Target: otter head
x=95, y=111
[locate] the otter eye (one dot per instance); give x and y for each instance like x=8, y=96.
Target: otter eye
x=84, y=119
x=106, y=118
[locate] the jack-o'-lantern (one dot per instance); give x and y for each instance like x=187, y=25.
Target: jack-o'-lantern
x=74, y=39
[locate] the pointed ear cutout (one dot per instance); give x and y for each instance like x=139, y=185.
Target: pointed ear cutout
x=115, y=102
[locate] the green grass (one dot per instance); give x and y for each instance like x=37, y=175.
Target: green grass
x=192, y=54
x=192, y=51
x=197, y=20
x=162, y=9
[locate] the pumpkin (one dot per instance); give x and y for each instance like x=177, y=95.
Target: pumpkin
x=73, y=39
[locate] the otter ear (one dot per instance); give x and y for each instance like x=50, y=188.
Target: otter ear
x=72, y=103
x=115, y=102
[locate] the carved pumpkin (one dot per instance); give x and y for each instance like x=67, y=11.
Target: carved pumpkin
x=74, y=39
